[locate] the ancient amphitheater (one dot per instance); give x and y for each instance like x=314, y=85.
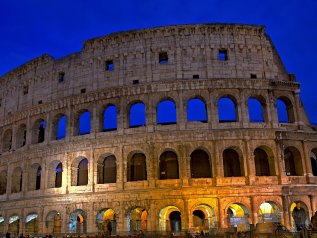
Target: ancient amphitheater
x=204, y=171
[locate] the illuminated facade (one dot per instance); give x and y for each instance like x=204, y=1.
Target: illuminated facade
x=197, y=167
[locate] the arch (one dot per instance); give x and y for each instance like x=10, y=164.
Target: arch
x=200, y=164
x=107, y=170
x=84, y=122
x=1, y=225
x=137, y=115
x=31, y=224
x=204, y=218
x=78, y=222
x=232, y=163
x=168, y=165
x=264, y=161
x=255, y=108
x=227, y=109
x=13, y=226
x=82, y=172
x=17, y=177
x=196, y=110
x=104, y=217
x=170, y=219
x=238, y=216
x=35, y=174
x=3, y=182
x=166, y=112
x=21, y=136
x=110, y=118
x=7, y=140
x=137, y=219
x=136, y=170
x=59, y=127
x=38, y=132
x=55, y=174
x=285, y=110
x=313, y=160
x=293, y=162
x=269, y=212
x=299, y=215
x=53, y=222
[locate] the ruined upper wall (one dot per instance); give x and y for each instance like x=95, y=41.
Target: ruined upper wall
x=192, y=50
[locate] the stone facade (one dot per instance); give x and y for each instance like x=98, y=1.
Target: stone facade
x=54, y=184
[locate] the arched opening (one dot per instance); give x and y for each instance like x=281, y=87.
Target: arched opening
x=16, y=185
x=227, y=110
x=166, y=112
x=110, y=118
x=106, y=221
x=238, y=217
x=137, y=167
x=232, y=164
x=137, y=220
x=299, y=215
x=7, y=140
x=58, y=175
x=196, y=110
x=168, y=165
x=13, y=226
x=261, y=161
x=269, y=212
x=170, y=219
x=285, y=110
x=204, y=219
x=35, y=173
x=107, y=170
x=53, y=222
x=55, y=174
x=78, y=222
x=137, y=115
x=59, y=127
x=31, y=224
x=3, y=182
x=255, y=109
x=1, y=225
x=82, y=175
x=293, y=162
x=38, y=131
x=84, y=123
x=200, y=165
x=21, y=136
x=313, y=159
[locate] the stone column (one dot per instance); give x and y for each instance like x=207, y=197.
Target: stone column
x=306, y=162
x=286, y=211
x=14, y=139
x=272, y=109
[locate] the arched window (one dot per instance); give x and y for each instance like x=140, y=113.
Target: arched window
x=16, y=184
x=38, y=178
x=137, y=115
x=7, y=140
x=3, y=182
x=61, y=128
x=293, y=163
x=262, y=166
x=231, y=163
x=313, y=159
x=227, y=110
x=175, y=221
x=84, y=123
x=255, y=110
x=196, y=110
x=137, y=167
x=35, y=172
x=58, y=175
x=200, y=166
x=21, y=136
x=53, y=222
x=110, y=118
x=166, y=112
x=82, y=175
x=168, y=165
x=38, y=135
x=285, y=111
x=107, y=170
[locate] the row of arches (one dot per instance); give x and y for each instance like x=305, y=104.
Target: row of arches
x=201, y=166
x=203, y=217
x=166, y=112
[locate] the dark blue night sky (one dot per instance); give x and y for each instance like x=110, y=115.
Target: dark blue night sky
x=34, y=27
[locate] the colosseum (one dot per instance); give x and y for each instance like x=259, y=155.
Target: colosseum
x=168, y=129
